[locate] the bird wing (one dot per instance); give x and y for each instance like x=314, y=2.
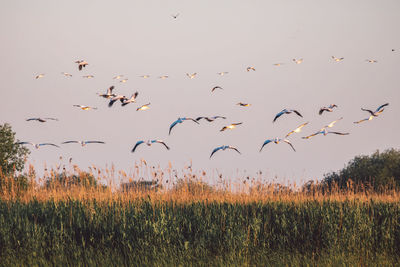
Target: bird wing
x=311, y=135
x=109, y=90
x=26, y=143
x=368, y=110
x=136, y=145
x=199, y=118
x=223, y=129
x=322, y=110
x=234, y=148
x=54, y=119
x=173, y=125
x=382, y=106
x=298, y=113
x=94, y=142
x=237, y=123
x=338, y=133
x=191, y=119
x=48, y=144
x=161, y=142
x=215, y=150
x=69, y=142
x=265, y=143
x=278, y=115
x=290, y=144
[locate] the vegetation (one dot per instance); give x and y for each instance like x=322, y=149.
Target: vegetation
x=379, y=171
x=12, y=154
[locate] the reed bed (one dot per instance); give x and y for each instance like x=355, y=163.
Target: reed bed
x=162, y=217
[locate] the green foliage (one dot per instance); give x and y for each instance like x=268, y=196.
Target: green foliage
x=205, y=234
x=12, y=155
x=380, y=170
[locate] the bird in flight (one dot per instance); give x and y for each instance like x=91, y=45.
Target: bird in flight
x=337, y=59
x=278, y=64
x=325, y=132
x=222, y=73
x=277, y=141
x=250, y=68
x=175, y=16
x=37, y=146
x=88, y=76
x=328, y=109
x=243, y=104
x=118, y=77
x=41, y=119
x=83, y=143
x=375, y=113
x=191, y=76
x=145, y=76
x=297, y=130
x=215, y=88
x=210, y=119
x=230, y=126
x=144, y=107
x=180, y=120
x=123, y=81
x=286, y=111
x=84, y=107
x=149, y=143
x=66, y=74
x=298, y=61
x=39, y=76
x=121, y=98
x=109, y=93
x=330, y=125
x=163, y=77
x=81, y=64
x=130, y=100
x=371, y=61
x=223, y=148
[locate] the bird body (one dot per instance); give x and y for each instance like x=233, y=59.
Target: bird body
x=223, y=148
x=118, y=77
x=39, y=76
x=81, y=64
x=84, y=107
x=286, y=111
x=123, y=81
x=163, y=77
x=191, y=76
x=250, y=68
x=371, y=61
x=180, y=120
x=222, y=73
x=145, y=76
x=130, y=100
x=109, y=93
x=337, y=59
x=215, y=88
x=121, y=98
x=298, y=61
x=66, y=74
x=88, y=76
x=149, y=143
x=175, y=16
x=325, y=132
x=297, y=130
x=277, y=141
x=243, y=104
x=210, y=119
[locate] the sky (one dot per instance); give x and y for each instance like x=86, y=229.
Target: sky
x=135, y=38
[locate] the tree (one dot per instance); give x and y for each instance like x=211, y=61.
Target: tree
x=12, y=154
x=379, y=170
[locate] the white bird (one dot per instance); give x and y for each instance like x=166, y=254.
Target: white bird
x=191, y=76
x=374, y=114
x=330, y=125
x=83, y=143
x=118, y=77
x=121, y=98
x=250, y=68
x=297, y=130
x=81, y=64
x=222, y=73
x=223, y=148
x=130, y=100
x=41, y=119
x=328, y=109
x=66, y=74
x=210, y=119
x=84, y=107
x=109, y=93
x=149, y=143
x=37, y=146
x=325, y=132
x=243, y=104
x=39, y=76
x=277, y=141
x=144, y=107
x=371, y=61
x=286, y=111
x=175, y=16
x=180, y=120
x=163, y=77
x=298, y=61
x=88, y=76
x=278, y=64
x=145, y=76
x=123, y=81
x=230, y=126
x=337, y=59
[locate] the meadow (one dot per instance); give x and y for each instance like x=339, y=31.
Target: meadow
x=179, y=220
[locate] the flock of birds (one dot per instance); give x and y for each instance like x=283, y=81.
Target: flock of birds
x=113, y=98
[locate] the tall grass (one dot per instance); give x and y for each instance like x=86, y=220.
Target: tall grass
x=184, y=221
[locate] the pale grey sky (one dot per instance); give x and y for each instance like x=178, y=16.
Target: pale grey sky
x=140, y=37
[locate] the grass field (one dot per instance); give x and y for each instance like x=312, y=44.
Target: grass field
x=192, y=223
